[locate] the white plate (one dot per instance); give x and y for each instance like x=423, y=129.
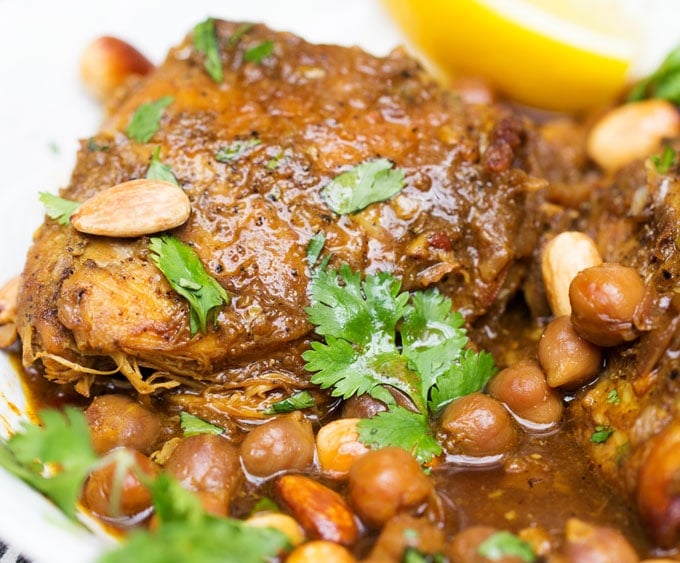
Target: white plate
x=44, y=111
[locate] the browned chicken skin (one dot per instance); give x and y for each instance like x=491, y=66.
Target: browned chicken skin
x=93, y=304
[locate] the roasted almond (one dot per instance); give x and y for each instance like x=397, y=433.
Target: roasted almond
x=132, y=209
x=321, y=512
x=107, y=62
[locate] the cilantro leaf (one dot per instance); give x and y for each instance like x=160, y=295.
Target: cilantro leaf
x=183, y=269
x=298, y=401
x=358, y=320
x=160, y=171
x=314, y=248
x=192, y=425
x=401, y=428
x=504, y=544
x=613, y=397
x=207, y=42
x=366, y=183
x=146, y=120
x=469, y=375
x=187, y=533
x=259, y=52
x=665, y=161
x=58, y=208
x=235, y=150
x=54, y=458
x=663, y=83
x=432, y=337
x=601, y=434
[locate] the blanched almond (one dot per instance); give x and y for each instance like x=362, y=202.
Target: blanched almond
x=281, y=522
x=631, y=131
x=321, y=511
x=107, y=62
x=132, y=209
x=564, y=257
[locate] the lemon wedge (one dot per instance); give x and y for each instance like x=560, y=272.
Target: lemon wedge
x=563, y=55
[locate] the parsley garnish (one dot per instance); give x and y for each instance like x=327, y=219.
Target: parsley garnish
x=273, y=162
x=146, y=120
x=367, y=183
x=192, y=425
x=504, y=544
x=184, y=271
x=158, y=170
x=298, y=401
x=613, y=397
x=665, y=161
x=207, y=42
x=376, y=336
x=601, y=434
x=235, y=150
x=58, y=208
x=259, y=52
x=663, y=83
x=63, y=441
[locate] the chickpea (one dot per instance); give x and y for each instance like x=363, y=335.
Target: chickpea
x=586, y=543
x=135, y=497
x=338, y=445
x=320, y=550
x=404, y=531
x=385, y=482
x=118, y=420
x=523, y=388
x=477, y=425
x=280, y=444
x=603, y=301
x=568, y=360
x=208, y=465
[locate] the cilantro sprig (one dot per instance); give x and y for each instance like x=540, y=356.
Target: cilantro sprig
x=376, y=337
x=366, y=183
x=192, y=425
x=298, y=401
x=259, y=52
x=663, y=83
x=505, y=544
x=145, y=122
x=207, y=42
x=58, y=208
x=56, y=458
x=183, y=269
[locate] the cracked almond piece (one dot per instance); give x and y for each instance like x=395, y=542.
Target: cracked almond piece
x=133, y=209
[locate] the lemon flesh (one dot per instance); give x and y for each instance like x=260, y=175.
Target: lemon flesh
x=552, y=54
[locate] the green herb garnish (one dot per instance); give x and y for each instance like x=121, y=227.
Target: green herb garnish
x=62, y=441
x=375, y=337
x=192, y=425
x=259, y=52
x=207, y=42
x=239, y=32
x=663, y=83
x=57, y=457
x=314, y=248
x=613, y=397
x=158, y=170
x=235, y=150
x=601, y=434
x=93, y=146
x=146, y=120
x=665, y=161
x=367, y=183
x=296, y=402
x=504, y=544
x=274, y=162
x=183, y=269
x=58, y=208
